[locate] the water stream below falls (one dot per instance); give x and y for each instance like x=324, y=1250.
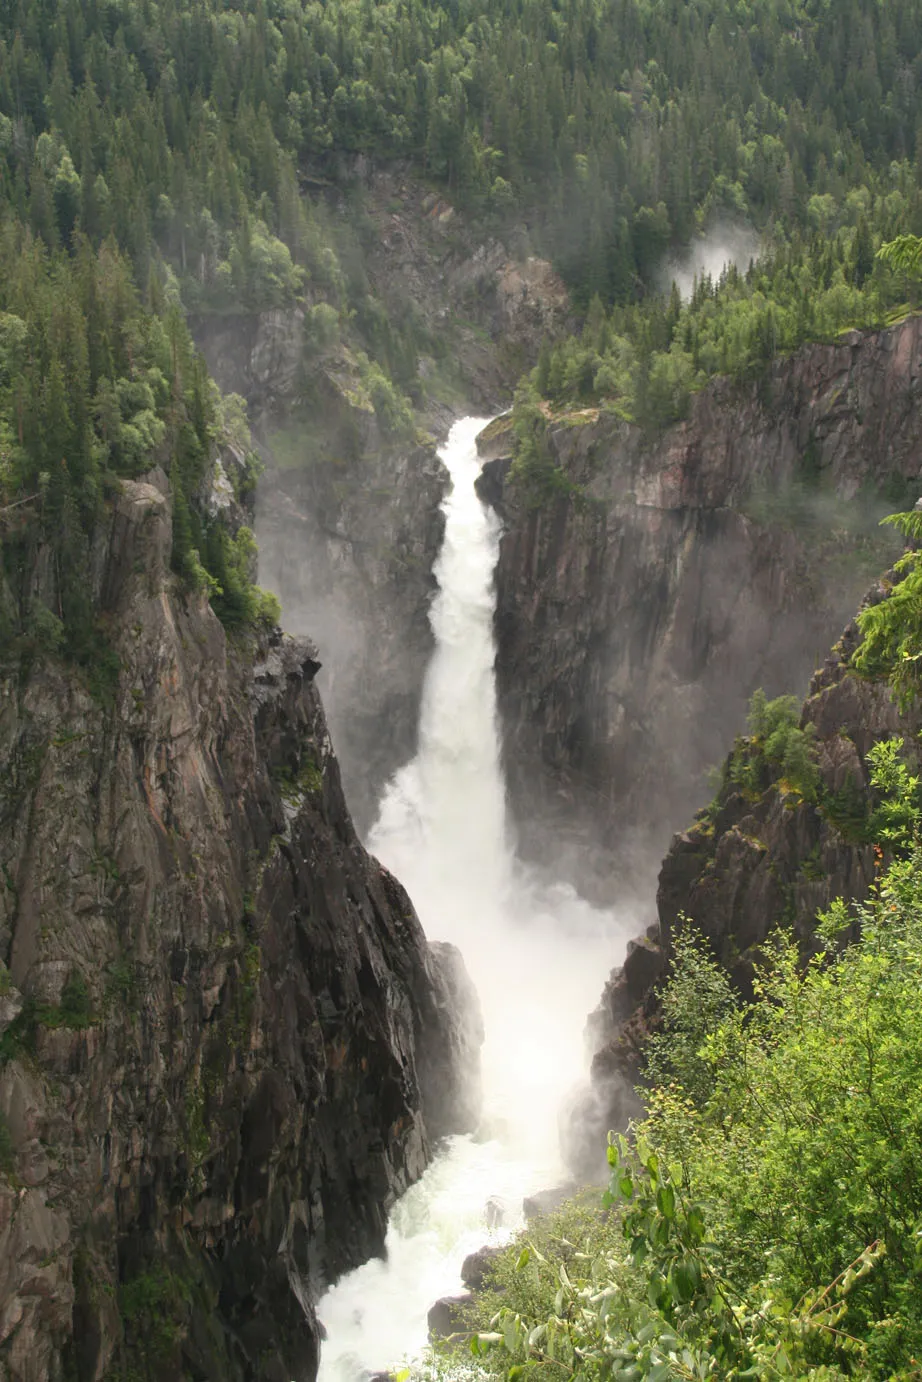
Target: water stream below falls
x=537, y=954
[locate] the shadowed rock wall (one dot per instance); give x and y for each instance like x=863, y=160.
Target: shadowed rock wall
x=225, y=1047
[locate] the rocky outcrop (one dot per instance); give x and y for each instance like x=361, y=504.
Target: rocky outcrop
x=477, y=1268
x=755, y=859
x=348, y=537
x=484, y=305
x=220, y=1025
x=348, y=526
x=664, y=579
x=448, y=1316
x=255, y=354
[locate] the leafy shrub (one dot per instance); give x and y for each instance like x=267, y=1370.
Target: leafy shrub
x=891, y=645
x=534, y=467
x=694, y=1002
x=770, y=1228
x=777, y=749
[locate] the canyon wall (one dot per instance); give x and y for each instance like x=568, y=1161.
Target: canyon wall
x=763, y=854
x=663, y=578
x=225, y=1046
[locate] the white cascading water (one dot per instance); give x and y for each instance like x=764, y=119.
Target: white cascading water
x=537, y=955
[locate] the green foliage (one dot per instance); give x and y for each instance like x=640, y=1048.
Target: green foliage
x=154, y=1308
x=891, y=629
x=94, y=387
x=777, y=750
x=694, y=1002
x=646, y=360
x=614, y=132
x=904, y=253
x=153, y=162
x=644, y=1293
x=75, y=1010
x=764, y=1221
x=895, y=821
x=391, y=409
x=534, y=468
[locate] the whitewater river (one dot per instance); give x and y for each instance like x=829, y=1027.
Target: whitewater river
x=537, y=954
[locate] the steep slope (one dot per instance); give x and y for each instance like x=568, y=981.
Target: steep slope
x=647, y=585
x=224, y=1044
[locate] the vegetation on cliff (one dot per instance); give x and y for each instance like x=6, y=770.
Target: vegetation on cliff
x=615, y=130
x=644, y=361
x=94, y=387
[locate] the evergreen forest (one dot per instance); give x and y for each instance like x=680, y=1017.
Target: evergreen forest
x=162, y=160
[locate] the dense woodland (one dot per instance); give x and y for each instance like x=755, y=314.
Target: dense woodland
x=157, y=160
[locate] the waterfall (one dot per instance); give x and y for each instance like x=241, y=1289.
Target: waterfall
x=537, y=954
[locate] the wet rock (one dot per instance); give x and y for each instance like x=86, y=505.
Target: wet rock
x=546, y=1201
x=450, y=1069
x=494, y=1212
x=476, y=1267
x=348, y=541
x=447, y=1316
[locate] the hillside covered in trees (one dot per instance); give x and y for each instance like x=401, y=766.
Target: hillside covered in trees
x=157, y=160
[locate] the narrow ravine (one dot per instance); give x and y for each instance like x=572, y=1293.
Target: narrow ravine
x=537, y=954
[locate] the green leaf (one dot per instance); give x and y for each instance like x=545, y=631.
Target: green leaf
x=523, y=1260
x=694, y=1224
x=665, y=1201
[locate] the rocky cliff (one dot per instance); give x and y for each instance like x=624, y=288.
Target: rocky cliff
x=661, y=579
x=762, y=855
x=225, y=1046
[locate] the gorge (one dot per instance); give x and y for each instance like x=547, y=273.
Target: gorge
x=534, y=951
x=414, y=548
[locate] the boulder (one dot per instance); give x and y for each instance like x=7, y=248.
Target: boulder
x=477, y=1267
x=546, y=1201
x=447, y=1316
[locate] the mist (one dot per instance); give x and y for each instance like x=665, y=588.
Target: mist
x=537, y=952
x=727, y=242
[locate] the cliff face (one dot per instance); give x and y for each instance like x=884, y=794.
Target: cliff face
x=640, y=606
x=225, y=1046
x=348, y=541
x=753, y=861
